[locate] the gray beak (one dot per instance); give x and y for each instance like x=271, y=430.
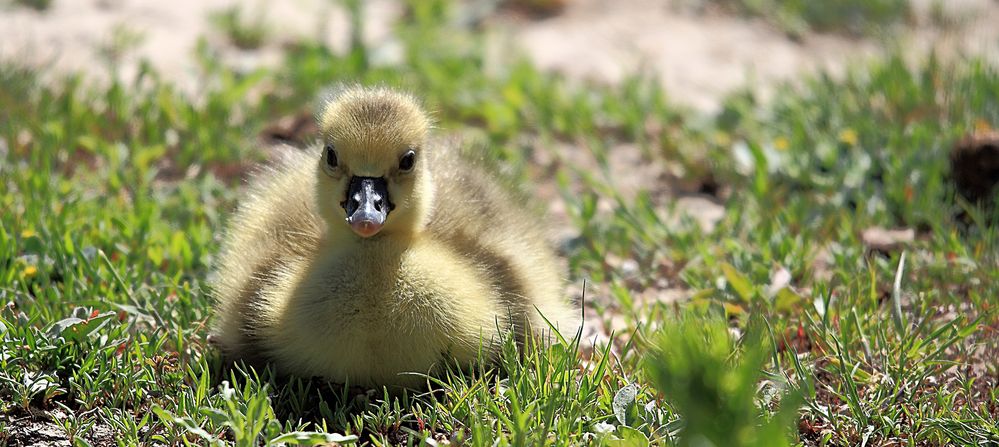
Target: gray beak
x=367, y=205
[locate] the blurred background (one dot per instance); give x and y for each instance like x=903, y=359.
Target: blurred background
x=698, y=49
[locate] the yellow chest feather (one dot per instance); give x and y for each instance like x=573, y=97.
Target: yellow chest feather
x=376, y=312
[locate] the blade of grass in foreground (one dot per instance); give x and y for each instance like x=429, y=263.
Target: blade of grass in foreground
x=712, y=383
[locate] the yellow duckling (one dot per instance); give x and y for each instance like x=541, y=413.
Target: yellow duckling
x=381, y=255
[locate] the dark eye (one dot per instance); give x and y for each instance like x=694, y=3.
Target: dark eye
x=330, y=155
x=407, y=161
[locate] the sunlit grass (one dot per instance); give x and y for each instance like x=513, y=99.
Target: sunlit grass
x=798, y=17
x=112, y=197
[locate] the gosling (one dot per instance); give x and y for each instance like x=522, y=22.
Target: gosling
x=380, y=258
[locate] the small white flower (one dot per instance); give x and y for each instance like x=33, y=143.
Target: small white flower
x=603, y=428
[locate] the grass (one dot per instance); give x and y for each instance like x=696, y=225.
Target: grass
x=113, y=197
x=37, y=5
x=242, y=32
x=798, y=17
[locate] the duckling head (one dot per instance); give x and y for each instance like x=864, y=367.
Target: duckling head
x=373, y=176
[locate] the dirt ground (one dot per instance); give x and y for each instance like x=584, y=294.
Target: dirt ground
x=702, y=55
x=699, y=54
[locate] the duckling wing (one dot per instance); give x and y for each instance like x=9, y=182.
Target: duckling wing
x=270, y=237
x=476, y=217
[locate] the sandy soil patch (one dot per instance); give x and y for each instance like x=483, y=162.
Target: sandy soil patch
x=699, y=57
x=72, y=35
